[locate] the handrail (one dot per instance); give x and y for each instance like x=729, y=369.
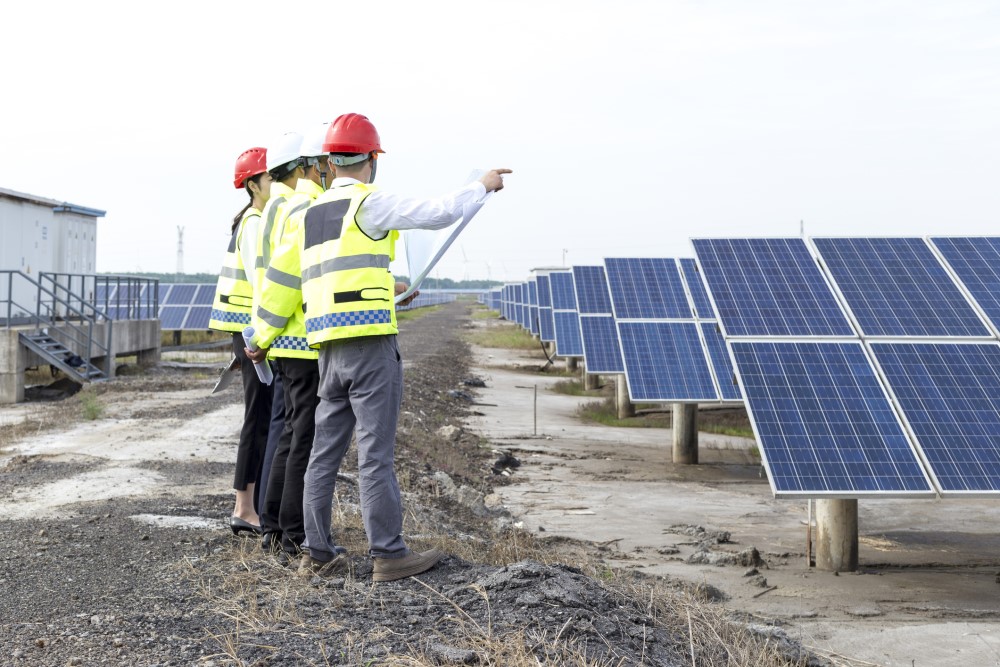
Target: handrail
x=78, y=334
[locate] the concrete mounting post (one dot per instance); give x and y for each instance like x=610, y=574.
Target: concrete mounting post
x=624, y=404
x=837, y=535
x=591, y=382
x=685, y=428
x=571, y=364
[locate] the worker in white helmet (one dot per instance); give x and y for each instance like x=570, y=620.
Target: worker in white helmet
x=296, y=364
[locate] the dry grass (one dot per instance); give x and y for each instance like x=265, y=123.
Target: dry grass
x=505, y=337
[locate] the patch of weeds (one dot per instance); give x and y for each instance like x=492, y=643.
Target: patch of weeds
x=573, y=388
x=505, y=337
x=726, y=429
x=606, y=412
x=485, y=314
x=91, y=406
x=416, y=313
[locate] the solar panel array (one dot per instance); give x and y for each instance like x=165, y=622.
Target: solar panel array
x=566, y=319
x=665, y=355
x=601, y=351
x=905, y=399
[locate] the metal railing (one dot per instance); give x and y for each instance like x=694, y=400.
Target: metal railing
x=108, y=297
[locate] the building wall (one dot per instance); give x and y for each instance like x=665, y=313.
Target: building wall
x=35, y=238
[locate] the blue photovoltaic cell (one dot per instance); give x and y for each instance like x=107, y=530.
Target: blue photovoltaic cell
x=162, y=290
x=646, y=288
x=722, y=364
x=568, y=343
x=769, y=287
x=172, y=317
x=103, y=292
x=950, y=396
x=823, y=421
x=897, y=287
x=976, y=261
x=665, y=361
x=702, y=305
x=532, y=292
x=591, y=290
x=601, y=351
x=205, y=295
x=533, y=319
x=544, y=295
x=546, y=325
x=198, y=317
x=561, y=287
x=181, y=295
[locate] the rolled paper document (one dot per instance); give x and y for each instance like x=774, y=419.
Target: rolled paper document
x=263, y=368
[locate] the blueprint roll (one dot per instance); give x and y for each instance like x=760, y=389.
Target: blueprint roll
x=263, y=368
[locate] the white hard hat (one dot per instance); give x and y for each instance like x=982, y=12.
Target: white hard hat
x=284, y=150
x=312, y=144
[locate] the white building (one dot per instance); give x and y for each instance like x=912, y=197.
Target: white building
x=39, y=234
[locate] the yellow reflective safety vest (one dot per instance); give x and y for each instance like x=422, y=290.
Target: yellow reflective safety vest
x=279, y=321
x=347, y=287
x=233, y=303
x=271, y=223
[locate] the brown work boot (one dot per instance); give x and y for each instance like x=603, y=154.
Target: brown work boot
x=309, y=566
x=391, y=569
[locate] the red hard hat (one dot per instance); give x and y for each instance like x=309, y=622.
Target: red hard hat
x=251, y=162
x=352, y=133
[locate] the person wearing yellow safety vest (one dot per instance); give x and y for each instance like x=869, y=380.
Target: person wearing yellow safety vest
x=280, y=326
x=343, y=244
x=231, y=312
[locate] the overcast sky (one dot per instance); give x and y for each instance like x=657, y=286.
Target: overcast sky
x=631, y=126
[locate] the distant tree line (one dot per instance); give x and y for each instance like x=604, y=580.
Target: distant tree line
x=429, y=283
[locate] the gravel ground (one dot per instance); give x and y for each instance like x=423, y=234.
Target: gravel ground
x=108, y=585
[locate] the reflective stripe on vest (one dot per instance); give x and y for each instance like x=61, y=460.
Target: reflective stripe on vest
x=233, y=302
x=346, y=285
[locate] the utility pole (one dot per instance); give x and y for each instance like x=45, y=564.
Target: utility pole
x=180, y=251
x=564, y=256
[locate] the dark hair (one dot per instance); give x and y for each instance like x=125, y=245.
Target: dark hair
x=246, y=184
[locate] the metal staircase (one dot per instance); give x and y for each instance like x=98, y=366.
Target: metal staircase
x=58, y=355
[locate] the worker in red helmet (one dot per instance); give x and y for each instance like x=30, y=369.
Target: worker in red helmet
x=342, y=246
x=231, y=312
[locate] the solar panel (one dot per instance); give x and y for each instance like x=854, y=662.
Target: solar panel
x=591, y=290
x=533, y=306
x=702, y=305
x=976, y=262
x=205, y=295
x=172, y=317
x=949, y=394
x=646, y=288
x=180, y=295
x=769, y=287
x=561, y=287
x=722, y=363
x=568, y=342
x=198, y=317
x=546, y=325
x=824, y=422
x=665, y=361
x=544, y=295
x=897, y=287
x=601, y=351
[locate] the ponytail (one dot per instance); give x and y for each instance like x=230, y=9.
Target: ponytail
x=239, y=216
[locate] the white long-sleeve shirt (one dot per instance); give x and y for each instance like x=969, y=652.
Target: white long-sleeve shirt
x=382, y=212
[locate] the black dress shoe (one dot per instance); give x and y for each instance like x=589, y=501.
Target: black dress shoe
x=238, y=525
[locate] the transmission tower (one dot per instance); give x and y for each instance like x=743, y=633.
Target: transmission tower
x=180, y=250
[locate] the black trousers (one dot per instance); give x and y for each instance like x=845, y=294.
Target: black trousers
x=283, y=500
x=256, y=420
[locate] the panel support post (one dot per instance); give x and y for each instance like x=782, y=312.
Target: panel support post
x=591, y=382
x=625, y=407
x=685, y=427
x=571, y=364
x=837, y=535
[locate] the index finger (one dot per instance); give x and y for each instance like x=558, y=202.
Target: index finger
x=504, y=171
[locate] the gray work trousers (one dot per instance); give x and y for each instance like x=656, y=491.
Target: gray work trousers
x=360, y=387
